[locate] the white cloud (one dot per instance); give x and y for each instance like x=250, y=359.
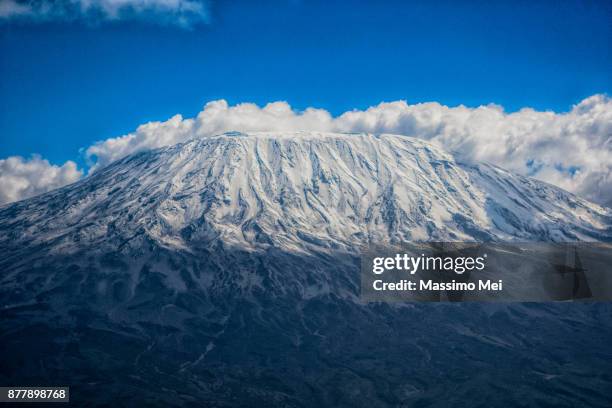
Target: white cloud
x=184, y=13
x=217, y=117
x=572, y=150
x=22, y=178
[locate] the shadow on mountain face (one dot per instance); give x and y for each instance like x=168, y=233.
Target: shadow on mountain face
x=231, y=328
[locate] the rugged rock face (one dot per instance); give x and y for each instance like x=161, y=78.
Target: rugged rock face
x=224, y=271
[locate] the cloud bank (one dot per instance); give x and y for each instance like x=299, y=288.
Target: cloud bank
x=22, y=178
x=184, y=13
x=572, y=150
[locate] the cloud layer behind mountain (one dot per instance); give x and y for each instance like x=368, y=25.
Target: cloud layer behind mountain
x=572, y=150
x=21, y=178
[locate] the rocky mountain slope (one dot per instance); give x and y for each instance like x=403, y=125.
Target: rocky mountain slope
x=224, y=271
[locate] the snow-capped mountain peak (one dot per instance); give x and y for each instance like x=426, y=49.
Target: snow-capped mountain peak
x=297, y=191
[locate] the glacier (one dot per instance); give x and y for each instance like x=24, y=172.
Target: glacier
x=225, y=271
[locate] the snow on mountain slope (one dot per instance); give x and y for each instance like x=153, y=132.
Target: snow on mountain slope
x=297, y=191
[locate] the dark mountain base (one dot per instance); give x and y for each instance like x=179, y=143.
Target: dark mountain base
x=235, y=329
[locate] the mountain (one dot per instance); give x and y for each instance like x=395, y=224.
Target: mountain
x=300, y=190
x=225, y=271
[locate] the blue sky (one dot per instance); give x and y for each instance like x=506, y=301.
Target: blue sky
x=65, y=84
